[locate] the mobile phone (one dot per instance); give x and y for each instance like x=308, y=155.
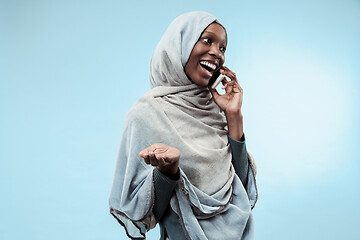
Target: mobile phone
x=216, y=79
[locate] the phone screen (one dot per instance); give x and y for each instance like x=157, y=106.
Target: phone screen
x=214, y=77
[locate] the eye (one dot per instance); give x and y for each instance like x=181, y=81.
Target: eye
x=223, y=49
x=207, y=41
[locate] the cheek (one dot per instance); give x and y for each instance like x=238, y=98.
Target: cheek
x=222, y=60
x=189, y=68
x=191, y=64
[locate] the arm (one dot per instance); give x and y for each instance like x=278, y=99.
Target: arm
x=166, y=174
x=164, y=188
x=231, y=103
x=240, y=159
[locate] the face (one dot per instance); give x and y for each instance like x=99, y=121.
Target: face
x=208, y=55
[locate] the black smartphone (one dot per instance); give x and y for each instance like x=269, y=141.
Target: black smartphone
x=216, y=79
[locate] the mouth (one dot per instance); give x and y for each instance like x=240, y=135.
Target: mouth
x=209, y=66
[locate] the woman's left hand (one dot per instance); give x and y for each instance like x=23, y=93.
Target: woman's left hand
x=162, y=156
x=231, y=101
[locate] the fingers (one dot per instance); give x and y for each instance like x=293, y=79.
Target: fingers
x=226, y=71
x=149, y=156
x=224, y=82
x=156, y=155
x=233, y=85
x=214, y=93
x=161, y=161
x=153, y=160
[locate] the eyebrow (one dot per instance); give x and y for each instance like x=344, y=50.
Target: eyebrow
x=210, y=32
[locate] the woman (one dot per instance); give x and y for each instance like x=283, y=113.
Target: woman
x=182, y=160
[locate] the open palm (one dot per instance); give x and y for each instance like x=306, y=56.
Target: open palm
x=162, y=156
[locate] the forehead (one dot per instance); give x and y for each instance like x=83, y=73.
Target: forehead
x=217, y=31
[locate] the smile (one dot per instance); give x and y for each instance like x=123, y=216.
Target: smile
x=208, y=65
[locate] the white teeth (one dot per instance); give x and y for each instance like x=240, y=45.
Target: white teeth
x=210, y=65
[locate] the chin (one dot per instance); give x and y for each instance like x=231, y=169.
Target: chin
x=202, y=82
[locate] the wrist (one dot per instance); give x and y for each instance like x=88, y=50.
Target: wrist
x=169, y=170
x=235, y=125
x=234, y=115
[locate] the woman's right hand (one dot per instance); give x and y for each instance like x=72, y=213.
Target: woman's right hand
x=162, y=156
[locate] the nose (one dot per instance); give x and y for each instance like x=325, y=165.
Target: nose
x=215, y=51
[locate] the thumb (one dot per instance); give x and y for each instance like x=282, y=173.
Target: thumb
x=214, y=93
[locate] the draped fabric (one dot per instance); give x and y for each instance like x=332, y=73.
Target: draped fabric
x=210, y=199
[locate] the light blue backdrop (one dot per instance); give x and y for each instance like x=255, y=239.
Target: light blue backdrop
x=70, y=70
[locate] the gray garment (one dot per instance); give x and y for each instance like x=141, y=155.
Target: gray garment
x=182, y=114
x=164, y=187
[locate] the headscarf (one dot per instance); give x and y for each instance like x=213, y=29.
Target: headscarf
x=181, y=114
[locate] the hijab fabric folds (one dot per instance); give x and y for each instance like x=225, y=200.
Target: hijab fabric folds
x=210, y=199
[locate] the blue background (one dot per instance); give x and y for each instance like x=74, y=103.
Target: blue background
x=70, y=70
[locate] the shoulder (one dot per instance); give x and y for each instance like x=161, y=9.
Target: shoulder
x=142, y=111
x=146, y=120
x=140, y=107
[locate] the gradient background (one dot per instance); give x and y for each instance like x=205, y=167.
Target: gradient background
x=70, y=70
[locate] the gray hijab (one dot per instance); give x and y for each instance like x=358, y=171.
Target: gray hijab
x=183, y=115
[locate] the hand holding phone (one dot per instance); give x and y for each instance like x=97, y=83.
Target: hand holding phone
x=231, y=100
x=216, y=79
